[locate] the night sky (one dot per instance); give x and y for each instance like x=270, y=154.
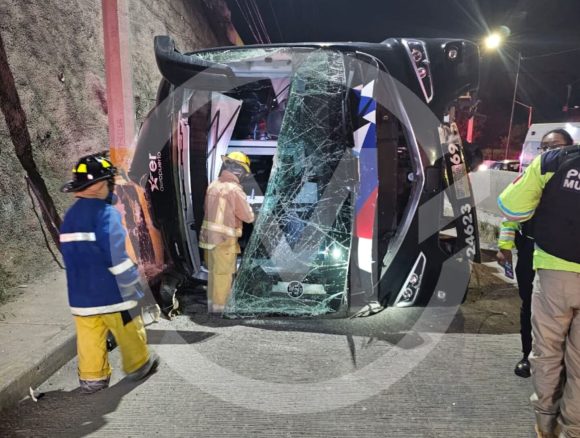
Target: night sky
x=537, y=26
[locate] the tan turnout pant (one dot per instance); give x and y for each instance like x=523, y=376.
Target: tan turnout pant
x=221, y=266
x=555, y=358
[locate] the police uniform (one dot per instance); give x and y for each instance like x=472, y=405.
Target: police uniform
x=519, y=235
x=549, y=190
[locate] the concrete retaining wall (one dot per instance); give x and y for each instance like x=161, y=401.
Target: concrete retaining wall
x=487, y=185
x=56, y=53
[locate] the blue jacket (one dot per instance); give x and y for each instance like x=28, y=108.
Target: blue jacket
x=98, y=268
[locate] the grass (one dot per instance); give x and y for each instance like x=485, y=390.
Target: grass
x=488, y=233
x=5, y=284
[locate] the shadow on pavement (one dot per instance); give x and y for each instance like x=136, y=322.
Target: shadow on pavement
x=492, y=314
x=160, y=337
x=492, y=307
x=65, y=413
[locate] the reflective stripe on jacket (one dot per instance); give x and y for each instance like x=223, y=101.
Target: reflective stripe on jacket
x=507, y=234
x=92, y=240
x=508, y=230
x=226, y=207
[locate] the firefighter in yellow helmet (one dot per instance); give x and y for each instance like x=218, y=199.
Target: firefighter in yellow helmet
x=226, y=207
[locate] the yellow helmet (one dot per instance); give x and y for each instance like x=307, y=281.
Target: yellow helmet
x=240, y=158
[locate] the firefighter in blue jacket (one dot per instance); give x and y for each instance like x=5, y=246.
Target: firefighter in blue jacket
x=104, y=285
x=549, y=191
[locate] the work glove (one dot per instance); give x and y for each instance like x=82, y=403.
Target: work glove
x=134, y=291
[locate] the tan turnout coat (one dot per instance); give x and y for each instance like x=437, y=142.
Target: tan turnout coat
x=226, y=207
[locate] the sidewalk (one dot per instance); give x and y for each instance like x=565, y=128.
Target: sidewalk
x=36, y=336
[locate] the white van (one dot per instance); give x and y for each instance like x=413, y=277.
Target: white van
x=531, y=147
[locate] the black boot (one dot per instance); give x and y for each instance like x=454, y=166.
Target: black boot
x=111, y=342
x=522, y=368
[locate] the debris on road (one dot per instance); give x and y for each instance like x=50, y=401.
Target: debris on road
x=34, y=395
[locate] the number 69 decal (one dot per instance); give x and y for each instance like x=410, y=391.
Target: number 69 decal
x=454, y=155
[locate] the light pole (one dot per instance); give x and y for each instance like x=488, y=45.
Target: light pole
x=530, y=111
x=507, y=143
x=514, y=101
x=569, y=94
x=494, y=42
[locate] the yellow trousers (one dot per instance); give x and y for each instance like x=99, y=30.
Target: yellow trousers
x=92, y=343
x=221, y=264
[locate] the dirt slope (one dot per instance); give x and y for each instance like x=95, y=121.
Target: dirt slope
x=55, y=48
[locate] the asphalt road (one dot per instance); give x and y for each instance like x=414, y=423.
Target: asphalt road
x=402, y=373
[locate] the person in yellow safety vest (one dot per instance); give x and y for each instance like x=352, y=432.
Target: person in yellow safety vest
x=226, y=207
x=549, y=190
x=520, y=235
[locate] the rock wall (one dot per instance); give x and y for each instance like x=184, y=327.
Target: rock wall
x=55, y=48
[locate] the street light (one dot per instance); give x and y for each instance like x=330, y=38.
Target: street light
x=493, y=41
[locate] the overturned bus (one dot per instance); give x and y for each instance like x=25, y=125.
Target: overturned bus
x=360, y=189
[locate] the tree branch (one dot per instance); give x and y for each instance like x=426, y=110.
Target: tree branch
x=16, y=122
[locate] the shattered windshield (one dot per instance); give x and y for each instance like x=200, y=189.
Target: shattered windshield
x=296, y=261
x=231, y=57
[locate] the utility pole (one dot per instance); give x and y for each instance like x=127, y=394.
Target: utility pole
x=144, y=243
x=119, y=80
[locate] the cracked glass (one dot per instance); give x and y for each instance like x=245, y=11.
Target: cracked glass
x=242, y=55
x=297, y=259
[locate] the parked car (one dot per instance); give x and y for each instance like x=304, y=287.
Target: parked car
x=485, y=165
x=339, y=174
x=508, y=165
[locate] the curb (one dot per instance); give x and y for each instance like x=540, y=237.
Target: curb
x=59, y=350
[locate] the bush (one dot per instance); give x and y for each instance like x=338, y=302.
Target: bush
x=5, y=284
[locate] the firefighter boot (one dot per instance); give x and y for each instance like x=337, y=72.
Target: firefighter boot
x=92, y=386
x=149, y=367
